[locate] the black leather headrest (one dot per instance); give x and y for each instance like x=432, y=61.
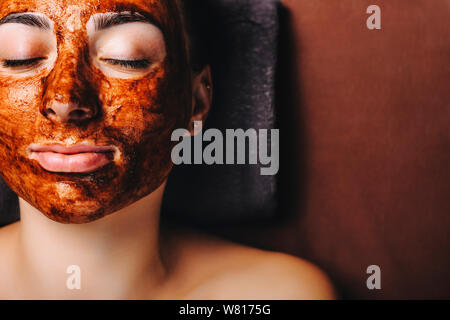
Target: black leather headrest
x=244, y=37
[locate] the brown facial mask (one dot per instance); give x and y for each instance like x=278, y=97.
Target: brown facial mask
x=79, y=79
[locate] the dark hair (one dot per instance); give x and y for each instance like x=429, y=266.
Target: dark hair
x=195, y=15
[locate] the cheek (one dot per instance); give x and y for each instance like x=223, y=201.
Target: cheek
x=141, y=108
x=19, y=104
x=20, y=98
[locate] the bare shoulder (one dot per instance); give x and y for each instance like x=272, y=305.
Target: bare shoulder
x=292, y=278
x=226, y=270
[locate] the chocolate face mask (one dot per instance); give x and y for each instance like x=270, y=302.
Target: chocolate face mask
x=90, y=92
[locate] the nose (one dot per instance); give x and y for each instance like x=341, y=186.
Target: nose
x=68, y=94
x=70, y=111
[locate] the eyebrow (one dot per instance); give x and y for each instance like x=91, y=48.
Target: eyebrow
x=28, y=19
x=109, y=20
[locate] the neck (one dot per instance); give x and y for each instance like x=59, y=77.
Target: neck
x=116, y=255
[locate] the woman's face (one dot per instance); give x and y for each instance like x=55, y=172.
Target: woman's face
x=90, y=92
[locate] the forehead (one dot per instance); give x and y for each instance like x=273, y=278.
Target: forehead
x=60, y=10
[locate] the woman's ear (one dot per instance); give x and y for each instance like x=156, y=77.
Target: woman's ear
x=202, y=94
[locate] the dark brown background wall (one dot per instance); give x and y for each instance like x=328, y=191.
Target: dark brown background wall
x=368, y=146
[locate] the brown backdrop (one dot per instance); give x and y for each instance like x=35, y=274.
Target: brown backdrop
x=364, y=118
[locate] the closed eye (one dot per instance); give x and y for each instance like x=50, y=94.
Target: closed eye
x=129, y=64
x=22, y=63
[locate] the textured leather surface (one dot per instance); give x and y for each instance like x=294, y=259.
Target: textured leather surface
x=376, y=109
x=372, y=110
x=9, y=207
x=244, y=37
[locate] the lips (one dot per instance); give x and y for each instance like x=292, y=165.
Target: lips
x=74, y=159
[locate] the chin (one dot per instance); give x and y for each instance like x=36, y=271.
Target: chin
x=67, y=210
x=81, y=213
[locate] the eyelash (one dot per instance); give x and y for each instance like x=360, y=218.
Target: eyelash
x=129, y=64
x=21, y=63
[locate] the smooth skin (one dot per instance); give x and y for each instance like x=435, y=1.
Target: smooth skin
x=121, y=257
